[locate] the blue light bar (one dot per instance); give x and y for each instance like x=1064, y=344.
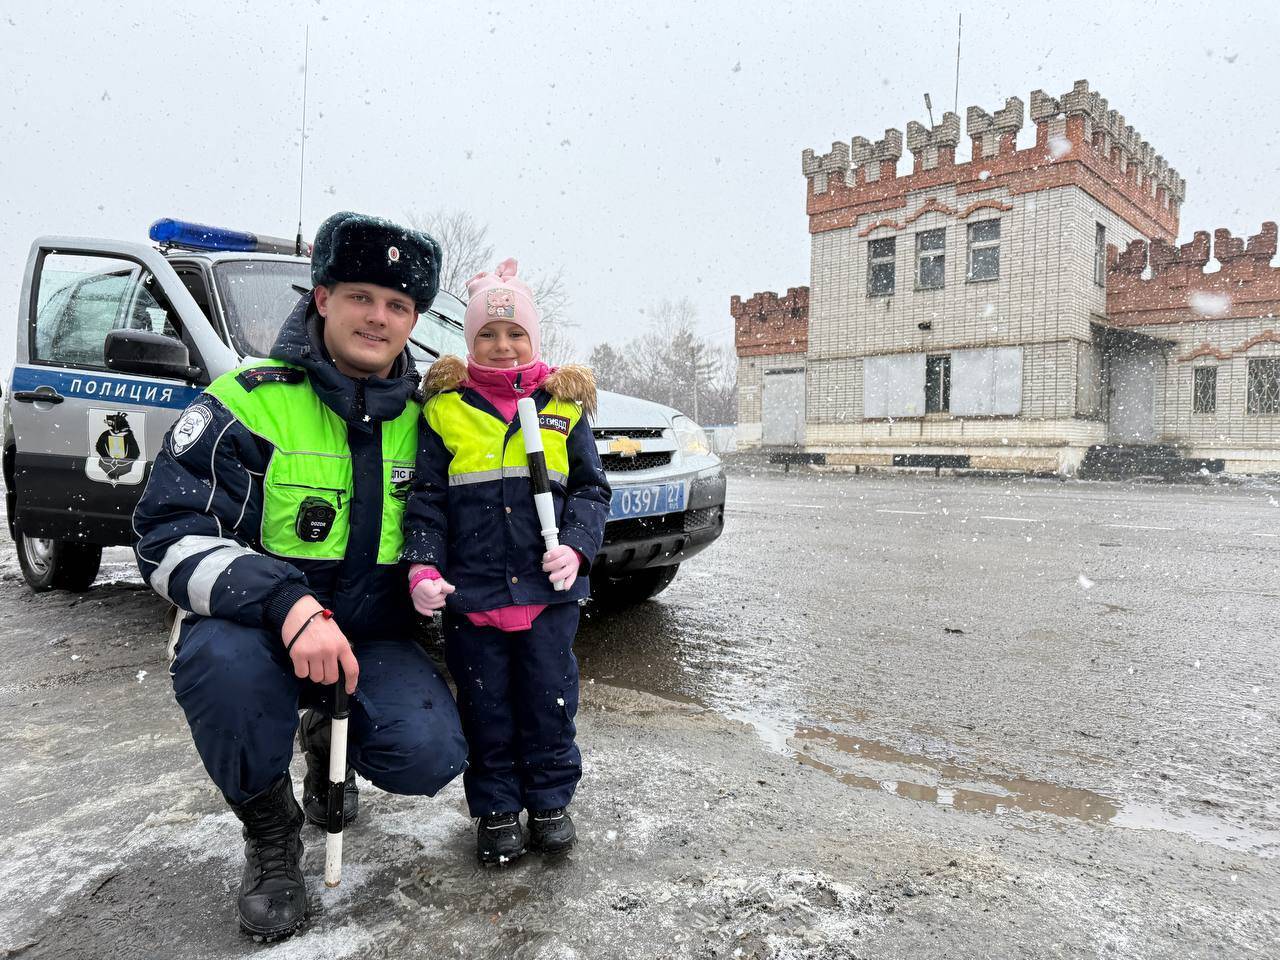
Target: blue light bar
x=197, y=236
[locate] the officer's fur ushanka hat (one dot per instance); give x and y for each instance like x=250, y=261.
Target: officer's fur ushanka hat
x=356, y=248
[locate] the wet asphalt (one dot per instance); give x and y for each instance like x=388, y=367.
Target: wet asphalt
x=883, y=716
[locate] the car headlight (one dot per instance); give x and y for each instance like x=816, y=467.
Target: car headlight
x=692, y=438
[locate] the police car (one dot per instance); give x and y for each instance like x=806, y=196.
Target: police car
x=115, y=338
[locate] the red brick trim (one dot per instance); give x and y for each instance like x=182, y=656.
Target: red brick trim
x=1207, y=350
x=934, y=205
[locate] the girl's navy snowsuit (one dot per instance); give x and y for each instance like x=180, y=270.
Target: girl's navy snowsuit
x=472, y=516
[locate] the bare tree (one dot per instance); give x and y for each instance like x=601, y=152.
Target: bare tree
x=672, y=363
x=464, y=244
x=466, y=250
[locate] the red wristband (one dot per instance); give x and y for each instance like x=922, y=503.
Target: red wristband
x=426, y=573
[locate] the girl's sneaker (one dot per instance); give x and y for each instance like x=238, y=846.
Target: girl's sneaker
x=551, y=831
x=499, y=838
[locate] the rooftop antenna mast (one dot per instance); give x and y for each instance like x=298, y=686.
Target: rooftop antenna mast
x=302, y=161
x=959, y=29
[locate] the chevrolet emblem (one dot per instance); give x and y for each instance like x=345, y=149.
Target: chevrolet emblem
x=624, y=446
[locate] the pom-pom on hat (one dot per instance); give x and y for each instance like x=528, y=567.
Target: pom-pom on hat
x=501, y=295
x=356, y=248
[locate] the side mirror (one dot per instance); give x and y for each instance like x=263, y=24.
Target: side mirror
x=151, y=354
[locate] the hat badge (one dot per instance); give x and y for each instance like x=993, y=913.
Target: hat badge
x=393, y=254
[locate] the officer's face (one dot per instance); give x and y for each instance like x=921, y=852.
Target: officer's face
x=365, y=326
x=502, y=344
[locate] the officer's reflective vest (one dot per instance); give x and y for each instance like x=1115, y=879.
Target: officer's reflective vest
x=474, y=438
x=308, y=488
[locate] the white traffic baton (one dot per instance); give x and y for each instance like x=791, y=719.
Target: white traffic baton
x=335, y=810
x=538, y=479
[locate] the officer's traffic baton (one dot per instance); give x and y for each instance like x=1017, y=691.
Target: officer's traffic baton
x=335, y=811
x=538, y=479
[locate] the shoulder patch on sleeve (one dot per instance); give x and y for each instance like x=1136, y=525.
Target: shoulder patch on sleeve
x=189, y=426
x=257, y=376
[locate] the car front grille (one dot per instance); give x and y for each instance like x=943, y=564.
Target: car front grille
x=634, y=433
x=665, y=524
x=705, y=517
x=642, y=528
x=617, y=463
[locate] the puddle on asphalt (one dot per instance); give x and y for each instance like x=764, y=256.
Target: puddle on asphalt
x=871, y=765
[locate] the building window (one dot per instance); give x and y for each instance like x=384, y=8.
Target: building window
x=931, y=259
x=880, y=276
x=1100, y=256
x=1264, y=386
x=1204, y=393
x=937, y=384
x=984, y=250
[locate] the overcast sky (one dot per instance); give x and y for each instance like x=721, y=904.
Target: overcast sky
x=651, y=150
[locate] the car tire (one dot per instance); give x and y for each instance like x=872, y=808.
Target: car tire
x=57, y=564
x=633, y=588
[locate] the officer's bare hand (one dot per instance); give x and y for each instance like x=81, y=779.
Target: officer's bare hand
x=321, y=648
x=561, y=564
x=429, y=595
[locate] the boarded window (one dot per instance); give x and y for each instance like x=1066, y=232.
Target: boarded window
x=937, y=384
x=893, y=386
x=931, y=259
x=984, y=250
x=1264, y=386
x=880, y=267
x=1204, y=397
x=986, y=382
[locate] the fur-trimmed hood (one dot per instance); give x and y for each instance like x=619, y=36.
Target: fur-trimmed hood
x=570, y=382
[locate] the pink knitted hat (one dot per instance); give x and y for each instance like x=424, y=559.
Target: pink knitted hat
x=501, y=295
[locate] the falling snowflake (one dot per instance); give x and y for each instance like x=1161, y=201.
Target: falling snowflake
x=1085, y=582
x=1210, y=304
x=1059, y=147
x=984, y=175
x=141, y=675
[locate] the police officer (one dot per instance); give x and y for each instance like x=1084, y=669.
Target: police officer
x=272, y=517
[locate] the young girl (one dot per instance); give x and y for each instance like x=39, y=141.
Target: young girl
x=473, y=539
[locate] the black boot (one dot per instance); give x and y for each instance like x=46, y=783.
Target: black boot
x=551, y=831
x=313, y=738
x=273, y=895
x=499, y=838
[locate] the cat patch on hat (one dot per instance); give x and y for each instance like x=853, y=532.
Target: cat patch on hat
x=500, y=304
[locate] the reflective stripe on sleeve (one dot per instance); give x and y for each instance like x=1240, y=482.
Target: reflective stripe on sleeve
x=183, y=549
x=200, y=585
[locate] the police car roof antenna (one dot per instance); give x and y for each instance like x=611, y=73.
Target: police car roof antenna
x=302, y=161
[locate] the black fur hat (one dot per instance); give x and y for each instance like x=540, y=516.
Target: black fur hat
x=356, y=248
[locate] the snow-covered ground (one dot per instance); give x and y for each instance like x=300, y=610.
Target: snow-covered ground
x=884, y=717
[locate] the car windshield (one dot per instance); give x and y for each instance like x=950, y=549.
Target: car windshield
x=439, y=331
x=259, y=294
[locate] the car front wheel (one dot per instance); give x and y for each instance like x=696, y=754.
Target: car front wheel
x=635, y=587
x=49, y=564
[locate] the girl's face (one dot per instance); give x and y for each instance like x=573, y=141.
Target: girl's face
x=502, y=344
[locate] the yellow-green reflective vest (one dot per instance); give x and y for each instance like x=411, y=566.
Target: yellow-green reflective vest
x=311, y=459
x=480, y=448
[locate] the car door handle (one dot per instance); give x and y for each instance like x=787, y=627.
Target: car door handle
x=38, y=396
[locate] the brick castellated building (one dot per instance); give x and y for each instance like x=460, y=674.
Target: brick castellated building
x=979, y=314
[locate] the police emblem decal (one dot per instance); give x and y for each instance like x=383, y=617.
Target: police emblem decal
x=393, y=254
x=190, y=425
x=116, y=453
